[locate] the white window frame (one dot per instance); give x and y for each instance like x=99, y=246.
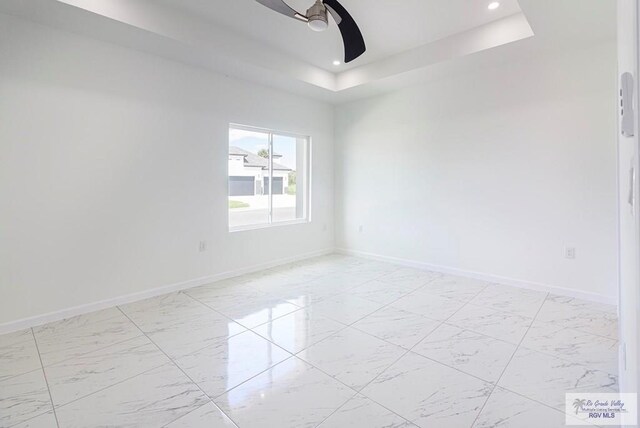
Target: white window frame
x=306, y=187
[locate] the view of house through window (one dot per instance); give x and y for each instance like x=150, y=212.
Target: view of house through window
x=268, y=177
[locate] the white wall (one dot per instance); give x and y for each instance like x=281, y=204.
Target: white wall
x=493, y=172
x=113, y=167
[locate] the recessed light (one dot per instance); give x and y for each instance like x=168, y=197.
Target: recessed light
x=493, y=5
x=336, y=62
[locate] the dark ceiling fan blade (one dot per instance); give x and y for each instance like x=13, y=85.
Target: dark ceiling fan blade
x=351, y=36
x=283, y=8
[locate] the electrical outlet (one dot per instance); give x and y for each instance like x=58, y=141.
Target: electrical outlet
x=324, y=227
x=203, y=246
x=570, y=253
x=360, y=228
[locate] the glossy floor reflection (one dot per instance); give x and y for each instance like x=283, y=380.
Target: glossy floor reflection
x=334, y=341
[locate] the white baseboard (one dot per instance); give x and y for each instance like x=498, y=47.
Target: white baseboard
x=529, y=285
x=153, y=292
x=146, y=294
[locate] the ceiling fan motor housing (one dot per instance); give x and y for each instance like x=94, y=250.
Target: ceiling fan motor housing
x=317, y=15
x=317, y=19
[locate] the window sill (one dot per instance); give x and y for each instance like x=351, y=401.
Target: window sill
x=267, y=226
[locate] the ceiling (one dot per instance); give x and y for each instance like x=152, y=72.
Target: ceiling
x=389, y=27
x=406, y=39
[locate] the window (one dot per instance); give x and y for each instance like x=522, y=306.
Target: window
x=268, y=178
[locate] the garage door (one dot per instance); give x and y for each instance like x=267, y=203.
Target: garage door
x=278, y=186
x=241, y=186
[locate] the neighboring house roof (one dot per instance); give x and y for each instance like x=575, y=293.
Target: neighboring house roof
x=252, y=159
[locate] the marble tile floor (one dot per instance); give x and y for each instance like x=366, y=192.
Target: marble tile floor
x=334, y=341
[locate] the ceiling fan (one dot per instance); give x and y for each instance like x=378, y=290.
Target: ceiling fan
x=316, y=18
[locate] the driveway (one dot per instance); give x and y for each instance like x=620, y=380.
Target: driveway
x=284, y=209
x=262, y=201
